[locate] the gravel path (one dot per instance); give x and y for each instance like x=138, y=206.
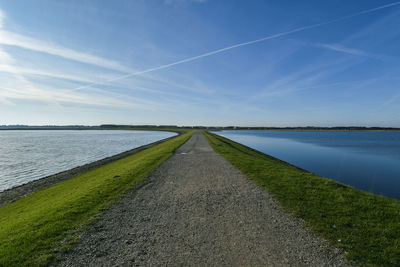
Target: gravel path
x=197, y=209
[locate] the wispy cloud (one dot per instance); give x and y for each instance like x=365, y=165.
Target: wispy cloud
x=148, y=89
x=6, y=102
x=194, y=84
x=172, y=2
x=2, y=16
x=14, y=39
x=270, y=37
x=351, y=51
x=8, y=68
x=393, y=99
x=16, y=86
x=59, y=98
x=383, y=30
x=318, y=76
x=5, y=58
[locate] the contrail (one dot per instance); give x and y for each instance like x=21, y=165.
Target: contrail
x=240, y=45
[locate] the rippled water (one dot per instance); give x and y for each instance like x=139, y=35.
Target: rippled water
x=367, y=160
x=28, y=154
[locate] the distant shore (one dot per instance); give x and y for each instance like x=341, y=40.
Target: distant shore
x=176, y=128
x=338, y=129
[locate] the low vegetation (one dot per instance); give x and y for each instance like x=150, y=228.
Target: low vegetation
x=33, y=226
x=365, y=226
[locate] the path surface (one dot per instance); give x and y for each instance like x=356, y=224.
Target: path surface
x=197, y=209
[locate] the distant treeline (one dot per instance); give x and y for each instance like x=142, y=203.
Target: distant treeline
x=216, y=128
x=47, y=127
x=313, y=128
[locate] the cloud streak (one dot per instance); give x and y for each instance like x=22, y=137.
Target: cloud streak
x=14, y=39
x=270, y=37
x=350, y=51
x=7, y=63
x=2, y=16
x=59, y=98
x=8, y=68
x=17, y=86
x=172, y=2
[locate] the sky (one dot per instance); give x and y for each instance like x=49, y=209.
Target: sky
x=200, y=62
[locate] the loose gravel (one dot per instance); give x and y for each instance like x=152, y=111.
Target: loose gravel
x=196, y=209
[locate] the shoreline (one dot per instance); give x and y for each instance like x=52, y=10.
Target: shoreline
x=19, y=191
x=311, y=130
x=362, y=224
x=34, y=228
x=349, y=175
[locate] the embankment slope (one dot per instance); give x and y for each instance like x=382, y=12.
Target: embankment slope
x=197, y=209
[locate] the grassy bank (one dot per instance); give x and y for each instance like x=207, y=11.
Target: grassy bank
x=366, y=226
x=31, y=227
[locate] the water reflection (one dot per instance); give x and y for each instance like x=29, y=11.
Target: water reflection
x=369, y=161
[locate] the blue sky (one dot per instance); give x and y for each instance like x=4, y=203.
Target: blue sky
x=322, y=63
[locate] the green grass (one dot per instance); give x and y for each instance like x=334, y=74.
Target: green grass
x=33, y=226
x=366, y=226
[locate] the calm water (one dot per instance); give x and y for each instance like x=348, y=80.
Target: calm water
x=28, y=155
x=369, y=161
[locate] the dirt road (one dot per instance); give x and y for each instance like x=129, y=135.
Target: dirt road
x=197, y=209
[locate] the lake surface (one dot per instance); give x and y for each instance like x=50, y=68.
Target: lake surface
x=28, y=154
x=367, y=160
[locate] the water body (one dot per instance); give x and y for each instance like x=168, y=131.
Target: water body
x=366, y=160
x=28, y=155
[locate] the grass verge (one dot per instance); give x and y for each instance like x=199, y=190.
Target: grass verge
x=33, y=226
x=365, y=225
